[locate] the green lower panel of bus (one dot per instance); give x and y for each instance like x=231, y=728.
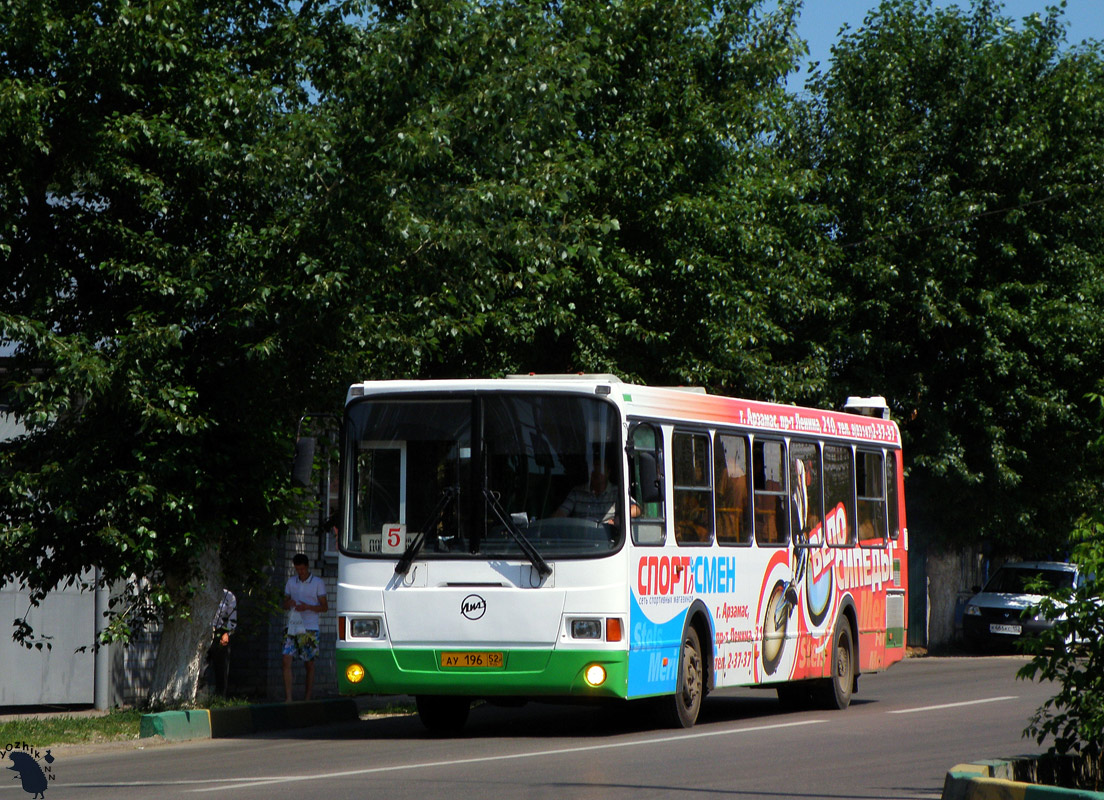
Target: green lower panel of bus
x=895, y=637
x=481, y=672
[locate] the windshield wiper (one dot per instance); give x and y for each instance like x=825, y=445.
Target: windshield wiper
x=415, y=545
x=526, y=546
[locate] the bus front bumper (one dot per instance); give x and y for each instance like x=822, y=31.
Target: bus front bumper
x=534, y=673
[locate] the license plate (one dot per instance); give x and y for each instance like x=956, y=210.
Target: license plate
x=1015, y=630
x=472, y=660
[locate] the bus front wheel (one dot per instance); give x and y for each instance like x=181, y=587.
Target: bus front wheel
x=681, y=711
x=443, y=715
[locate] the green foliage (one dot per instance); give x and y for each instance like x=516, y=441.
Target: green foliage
x=157, y=165
x=961, y=154
x=1071, y=654
x=575, y=186
x=215, y=216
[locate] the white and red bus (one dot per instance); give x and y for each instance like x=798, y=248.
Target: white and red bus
x=580, y=537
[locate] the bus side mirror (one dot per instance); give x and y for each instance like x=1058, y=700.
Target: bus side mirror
x=304, y=462
x=650, y=483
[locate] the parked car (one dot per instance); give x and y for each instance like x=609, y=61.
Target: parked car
x=998, y=615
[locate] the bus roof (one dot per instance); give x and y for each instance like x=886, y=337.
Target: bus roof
x=673, y=404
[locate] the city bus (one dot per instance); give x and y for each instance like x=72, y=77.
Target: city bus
x=580, y=538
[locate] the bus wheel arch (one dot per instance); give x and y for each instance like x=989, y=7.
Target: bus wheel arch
x=849, y=613
x=681, y=709
x=698, y=617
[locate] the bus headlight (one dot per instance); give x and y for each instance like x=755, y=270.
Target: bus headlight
x=595, y=675
x=586, y=629
x=364, y=627
x=354, y=673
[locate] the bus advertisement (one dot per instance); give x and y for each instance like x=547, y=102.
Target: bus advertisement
x=576, y=537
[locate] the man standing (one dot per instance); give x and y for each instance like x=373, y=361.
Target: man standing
x=305, y=599
x=218, y=655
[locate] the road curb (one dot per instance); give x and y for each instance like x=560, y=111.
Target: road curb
x=988, y=780
x=244, y=720
x=176, y=725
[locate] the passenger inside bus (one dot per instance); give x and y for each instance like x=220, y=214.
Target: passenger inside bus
x=595, y=500
x=731, y=478
x=732, y=502
x=772, y=522
x=693, y=515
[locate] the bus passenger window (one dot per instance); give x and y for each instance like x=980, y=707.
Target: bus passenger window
x=772, y=522
x=891, y=497
x=807, y=514
x=693, y=493
x=870, y=486
x=646, y=484
x=730, y=468
x=839, y=495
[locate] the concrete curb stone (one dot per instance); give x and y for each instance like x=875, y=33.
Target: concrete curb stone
x=989, y=780
x=245, y=720
x=176, y=725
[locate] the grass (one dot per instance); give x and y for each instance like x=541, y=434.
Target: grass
x=218, y=701
x=120, y=724
x=47, y=731
x=391, y=710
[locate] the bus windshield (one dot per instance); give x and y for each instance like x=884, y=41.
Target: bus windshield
x=482, y=474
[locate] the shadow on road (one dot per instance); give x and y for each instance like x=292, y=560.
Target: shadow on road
x=540, y=720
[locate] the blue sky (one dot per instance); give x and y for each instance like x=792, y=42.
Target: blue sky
x=821, y=21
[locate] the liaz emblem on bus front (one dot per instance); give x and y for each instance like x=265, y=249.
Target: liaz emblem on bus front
x=473, y=607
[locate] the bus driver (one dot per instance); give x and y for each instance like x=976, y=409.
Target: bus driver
x=596, y=500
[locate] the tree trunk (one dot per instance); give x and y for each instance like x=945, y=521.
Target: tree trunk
x=185, y=639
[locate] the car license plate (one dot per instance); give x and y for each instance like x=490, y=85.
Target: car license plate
x=472, y=660
x=1015, y=630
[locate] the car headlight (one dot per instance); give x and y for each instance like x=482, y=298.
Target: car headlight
x=973, y=611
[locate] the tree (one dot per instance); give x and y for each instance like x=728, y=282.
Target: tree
x=214, y=214
x=1071, y=653
x=196, y=254
x=575, y=186
x=960, y=156
x=159, y=165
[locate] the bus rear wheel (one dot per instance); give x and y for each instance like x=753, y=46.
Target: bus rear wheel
x=836, y=690
x=443, y=715
x=681, y=711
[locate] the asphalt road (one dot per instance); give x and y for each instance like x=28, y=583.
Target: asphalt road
x=904, y=730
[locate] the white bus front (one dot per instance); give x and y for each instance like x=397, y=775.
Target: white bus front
x=482, y=545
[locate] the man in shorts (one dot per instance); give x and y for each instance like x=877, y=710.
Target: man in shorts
x=304, y=599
